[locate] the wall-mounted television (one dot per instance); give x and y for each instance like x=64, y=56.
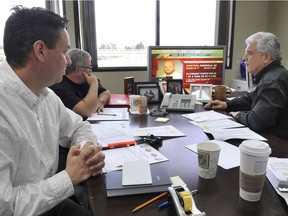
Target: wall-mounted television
x=193, y=64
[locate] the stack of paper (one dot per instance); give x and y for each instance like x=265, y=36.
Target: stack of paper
x=277, y=174
x=277, y=169
x=221, y=126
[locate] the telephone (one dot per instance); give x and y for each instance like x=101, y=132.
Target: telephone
x=178, y=102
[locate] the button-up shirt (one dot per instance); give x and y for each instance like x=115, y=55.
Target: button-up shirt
x=31, y=127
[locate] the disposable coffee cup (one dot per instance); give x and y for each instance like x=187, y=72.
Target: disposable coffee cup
x=208, y=157
x=134, y=101
x=254, y=156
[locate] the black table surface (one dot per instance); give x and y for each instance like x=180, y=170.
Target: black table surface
x=216, y=197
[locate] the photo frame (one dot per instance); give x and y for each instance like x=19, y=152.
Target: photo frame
x=163, y=87
x=203, y=92
x=174, y=86
x=151, y=92
x=129, y=85
x=144, y=84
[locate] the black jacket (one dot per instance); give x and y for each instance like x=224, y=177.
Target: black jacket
x=266, y=108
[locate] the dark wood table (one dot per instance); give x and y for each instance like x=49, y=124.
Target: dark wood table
x=216, y=197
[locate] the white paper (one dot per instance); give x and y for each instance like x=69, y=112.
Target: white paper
x=161, y=131
x=136, y=173
x=217, y=124
x=236, y=133
x=111, y=114
x=229, y=155
x=275, y=184
x=206, y=116
x=112, y=133
x=114, y=158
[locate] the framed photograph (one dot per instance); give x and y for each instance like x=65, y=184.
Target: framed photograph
x=163, y=87
x=174, y=86
x=203, y=92
x=144, y=84
x=129, y=85
x=152, y=93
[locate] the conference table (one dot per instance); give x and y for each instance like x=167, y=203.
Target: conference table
x=215, y=197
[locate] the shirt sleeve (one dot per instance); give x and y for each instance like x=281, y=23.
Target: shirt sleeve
x=268, y=100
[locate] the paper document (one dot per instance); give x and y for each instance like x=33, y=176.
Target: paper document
x=161, y=131
x=206, y=116
x=136, y=173
x=272, y=178
x=112, y=133
x=229, y=154
x=114, y=158
x=111, y=114
x=217, y=124
x=236, y=133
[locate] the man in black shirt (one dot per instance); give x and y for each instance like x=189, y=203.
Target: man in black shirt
x=80, y=90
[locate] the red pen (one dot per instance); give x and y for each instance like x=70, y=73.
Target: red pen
x=120, y=144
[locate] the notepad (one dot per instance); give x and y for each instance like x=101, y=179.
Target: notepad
x=136, y=173
x=161, y=119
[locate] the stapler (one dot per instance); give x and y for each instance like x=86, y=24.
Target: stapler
x=183, y=199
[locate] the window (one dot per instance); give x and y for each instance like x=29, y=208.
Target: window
x=7, y=5
x=118, y=33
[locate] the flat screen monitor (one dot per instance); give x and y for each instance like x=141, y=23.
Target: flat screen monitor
x=192, y=64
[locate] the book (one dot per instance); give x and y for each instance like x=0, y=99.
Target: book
x=118, y=100
x=160, y=183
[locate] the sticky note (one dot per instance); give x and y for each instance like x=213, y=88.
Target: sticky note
x=161, y=119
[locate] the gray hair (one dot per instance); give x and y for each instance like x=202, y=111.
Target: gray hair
x=266, y=42
x=77, y=57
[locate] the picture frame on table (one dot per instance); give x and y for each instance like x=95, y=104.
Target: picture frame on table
x=143, y=84
x=129, y=85
x=151, y=92
x=174, y=86
x=203, y=92
x=163, y=87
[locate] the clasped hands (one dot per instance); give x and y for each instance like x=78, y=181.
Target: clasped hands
x=84, y=162
x=219, y=105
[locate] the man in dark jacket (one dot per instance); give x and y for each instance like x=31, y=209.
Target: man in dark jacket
x=266, y=108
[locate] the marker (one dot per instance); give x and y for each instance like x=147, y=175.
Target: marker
x=119, y=144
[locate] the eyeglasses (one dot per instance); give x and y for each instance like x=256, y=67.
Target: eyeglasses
x=89, y=67
x=251, y=53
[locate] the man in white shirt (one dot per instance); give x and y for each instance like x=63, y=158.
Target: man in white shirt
x=33, y=120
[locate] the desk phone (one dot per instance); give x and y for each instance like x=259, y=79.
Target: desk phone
x=178, y=102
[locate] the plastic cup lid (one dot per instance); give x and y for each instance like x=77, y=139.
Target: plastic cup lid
x=255, y=147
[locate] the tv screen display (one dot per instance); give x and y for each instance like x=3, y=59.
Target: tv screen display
x=192, y=64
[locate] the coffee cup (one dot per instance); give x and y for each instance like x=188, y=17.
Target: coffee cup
x=208, y=156
x=220, y=92
x=254, y=156
x=134, y=101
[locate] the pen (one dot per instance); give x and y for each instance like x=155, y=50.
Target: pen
x=149, y=201
x=165, y=204
x=108, y=114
